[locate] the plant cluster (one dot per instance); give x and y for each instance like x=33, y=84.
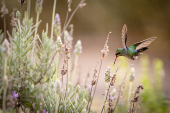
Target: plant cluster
x=33, y=68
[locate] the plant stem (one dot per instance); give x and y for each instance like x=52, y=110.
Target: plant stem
x=65, y=27
x=53, y=14
x=67, y=78
x=105, y=96
x=130, y=88
x=56, y=72
x=28, y=8
x=4, y=98
x=119, y=93
x=74, y=70
x=35, y=34
x=95, y=86
x=4, y=27
x=5, y=88
x=89, y=98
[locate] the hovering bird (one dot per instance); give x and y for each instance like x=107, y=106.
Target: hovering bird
x=134, y=50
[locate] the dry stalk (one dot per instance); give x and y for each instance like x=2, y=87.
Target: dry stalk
x=135, y=99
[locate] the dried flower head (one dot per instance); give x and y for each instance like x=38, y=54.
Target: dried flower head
x=66, y=49
x=132, y=75
x=107, y=74
x=135, y=99
x=57, y=25
x=14, y=19
x=82, y=5
x=22, y=1
x=38, y=7
x=78, y=48
x=113, y=80
x=69, y=5
x=94, y=77
x=110, y=104
x=64, y=69
x=4, y=10
x=105, y=50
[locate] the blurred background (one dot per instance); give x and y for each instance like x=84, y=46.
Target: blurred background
x=144, y=19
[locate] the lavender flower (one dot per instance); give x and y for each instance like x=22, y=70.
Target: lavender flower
x=38, y=7
x=68, y=39
x=44, y=111
x=89, y=87
x=107, y=75
x=15, y=95
x=78, y=48
x=5, y=47
x=59, y=44
x=57, y=19
x=132, y=75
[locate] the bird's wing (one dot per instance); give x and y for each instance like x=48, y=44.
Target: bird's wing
x=124, y=37
x=143, y=43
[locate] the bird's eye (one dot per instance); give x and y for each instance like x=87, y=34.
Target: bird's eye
x=117, y=53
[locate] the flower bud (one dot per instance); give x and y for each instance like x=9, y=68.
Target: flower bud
x=113, y=93
x=70, y=85
x=84, y=102
x=38, y=7
x=132, y=75
x=59, y=44
x=57, y=25
x=78, y=48
x=107, y=75
x=77, y=88
x=58, y=86
x=18, y=15
x=5, y=47
x=84, y=110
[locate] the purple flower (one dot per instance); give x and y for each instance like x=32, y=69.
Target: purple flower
x=89, y=88
x=44, y=111
x=40, y=3
x=15, y=95
x=57, y=19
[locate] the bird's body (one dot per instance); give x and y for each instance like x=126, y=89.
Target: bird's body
x=134, y=50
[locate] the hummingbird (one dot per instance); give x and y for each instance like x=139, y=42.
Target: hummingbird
x=134, y=50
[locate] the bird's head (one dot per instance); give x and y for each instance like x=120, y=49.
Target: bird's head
x=118, y=51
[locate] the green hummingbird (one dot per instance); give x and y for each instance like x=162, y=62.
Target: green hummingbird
x=134, y=50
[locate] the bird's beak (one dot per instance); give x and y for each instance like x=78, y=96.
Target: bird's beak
x=115, y=60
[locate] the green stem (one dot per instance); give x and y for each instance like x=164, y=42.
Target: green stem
x=105, y=96
x=52, y=24
x=36, y=29
x=56, y=72
x=1, y=90
x=96, y=85
x=74, y=70
x=130, y=89
x=4, y=98
x=28, y=8
x=34, y=40
x=5, y=88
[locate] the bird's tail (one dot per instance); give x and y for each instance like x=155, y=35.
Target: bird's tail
x=140, y=51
